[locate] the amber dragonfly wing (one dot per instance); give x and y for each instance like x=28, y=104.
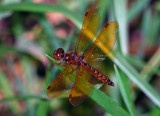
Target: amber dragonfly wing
x=102, y=45
x=62, y=82
x=82, y=86
x=88, y=31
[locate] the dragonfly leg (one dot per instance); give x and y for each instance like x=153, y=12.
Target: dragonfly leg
x=60, y=64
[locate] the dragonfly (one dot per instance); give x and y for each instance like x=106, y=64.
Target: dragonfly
x=83, y=63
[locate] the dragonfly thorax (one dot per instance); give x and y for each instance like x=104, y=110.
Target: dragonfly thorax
x=73, y=58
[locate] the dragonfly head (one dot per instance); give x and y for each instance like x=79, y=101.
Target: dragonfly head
x=58, y=54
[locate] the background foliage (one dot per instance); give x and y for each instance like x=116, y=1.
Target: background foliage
x=29, y=29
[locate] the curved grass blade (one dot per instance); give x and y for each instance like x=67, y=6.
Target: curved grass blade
x=107, y=103
x=43, y=8
x=135, y=77
x=125, y=90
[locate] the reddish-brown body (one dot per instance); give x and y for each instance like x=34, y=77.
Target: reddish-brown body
x=86, y=59
x=76, y=59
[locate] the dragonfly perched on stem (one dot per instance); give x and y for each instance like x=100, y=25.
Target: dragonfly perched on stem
x=85, y=60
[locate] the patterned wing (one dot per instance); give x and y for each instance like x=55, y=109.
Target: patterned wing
x=61, y=83
x=82, y=86
x=102, y=45
x=88, y=31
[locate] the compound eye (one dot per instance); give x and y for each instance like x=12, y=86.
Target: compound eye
x=60, y=50
x=58, y=53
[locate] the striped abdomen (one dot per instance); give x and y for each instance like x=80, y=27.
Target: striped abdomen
x=97, y=74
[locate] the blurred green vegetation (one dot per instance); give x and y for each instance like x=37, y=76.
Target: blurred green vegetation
x=30, y=29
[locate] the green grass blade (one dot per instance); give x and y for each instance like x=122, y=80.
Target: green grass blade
x=7, y=90
x=125, y=90
x=121, y=16
x=157, y=6
x=155, y=112
x=146, y=25
x=107, y=103
x=135, y=77
x=23, y=97
x=155, y=29
x=42, y=108
x=103, y=9
x=43, y=8
x=50, y=31
x=153, y=63
x=54, y=61
x=141, y=64
x=136, y=9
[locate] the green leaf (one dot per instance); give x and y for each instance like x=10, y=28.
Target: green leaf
x=125, y=90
